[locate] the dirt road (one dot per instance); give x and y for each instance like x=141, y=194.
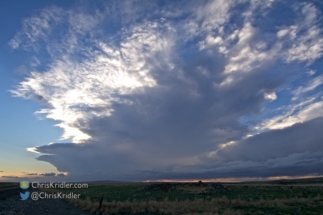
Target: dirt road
x=11, y=204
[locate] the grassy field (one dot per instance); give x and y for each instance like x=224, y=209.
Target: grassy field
x=252, y=198
x=4, y=185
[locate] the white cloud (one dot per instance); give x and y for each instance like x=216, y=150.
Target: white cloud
x=70, y=86
x=309, y=110
x=32, y=149
x=271, y=96
x=34, y=62
x=282, y=33
x=13, y=44
x=312, y=85
x=248, y=54
x=82, y=23
x=311, y=72
x=310, y=13
x=308, y=46
x=37, y=28
x=214, y=14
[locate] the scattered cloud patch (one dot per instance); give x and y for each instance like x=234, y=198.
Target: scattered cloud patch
x=9, y=176
x=311, y=72
x=48, y=174
x=308, y=46
x=30, y=173
x=271, y=96
x=312, y=85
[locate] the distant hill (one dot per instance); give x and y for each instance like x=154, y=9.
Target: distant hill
x=298, y=181
x=314, y=180
x=104, y=182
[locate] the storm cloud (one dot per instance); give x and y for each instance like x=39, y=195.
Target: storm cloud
x=211, y=89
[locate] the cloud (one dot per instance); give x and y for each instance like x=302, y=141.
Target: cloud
x=48, y=174
x=274, y=141
x=21, y=70
x=271, y=96
x=313, y=84
x=1, y=171
x=13, y=44
x=163, y=96
x=303, y=111
x=61, y=175
x=269, y=154
x=37, y=28
x=9, y=176
x=308, y=46
x=292, y=151
x=30, y=173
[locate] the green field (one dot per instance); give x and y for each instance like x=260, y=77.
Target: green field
x=253, y=198
x=4, y=185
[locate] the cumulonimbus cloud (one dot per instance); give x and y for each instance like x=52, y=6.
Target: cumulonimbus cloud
x=154, y=95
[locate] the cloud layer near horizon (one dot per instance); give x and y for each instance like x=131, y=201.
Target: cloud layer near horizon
x=178, y=91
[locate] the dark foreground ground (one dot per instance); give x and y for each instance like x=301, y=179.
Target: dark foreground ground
x=10, y=204
x=285, y=197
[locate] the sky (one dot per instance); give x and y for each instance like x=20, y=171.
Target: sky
x=161, y=90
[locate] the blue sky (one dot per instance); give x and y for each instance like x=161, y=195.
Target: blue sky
x=161, y=90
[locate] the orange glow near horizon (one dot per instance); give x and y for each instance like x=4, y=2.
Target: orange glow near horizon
x=235, y=180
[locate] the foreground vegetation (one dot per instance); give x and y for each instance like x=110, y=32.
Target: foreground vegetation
x=135, y=198
x=5, y=185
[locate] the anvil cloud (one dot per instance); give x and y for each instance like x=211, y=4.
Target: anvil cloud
x=181, y=90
